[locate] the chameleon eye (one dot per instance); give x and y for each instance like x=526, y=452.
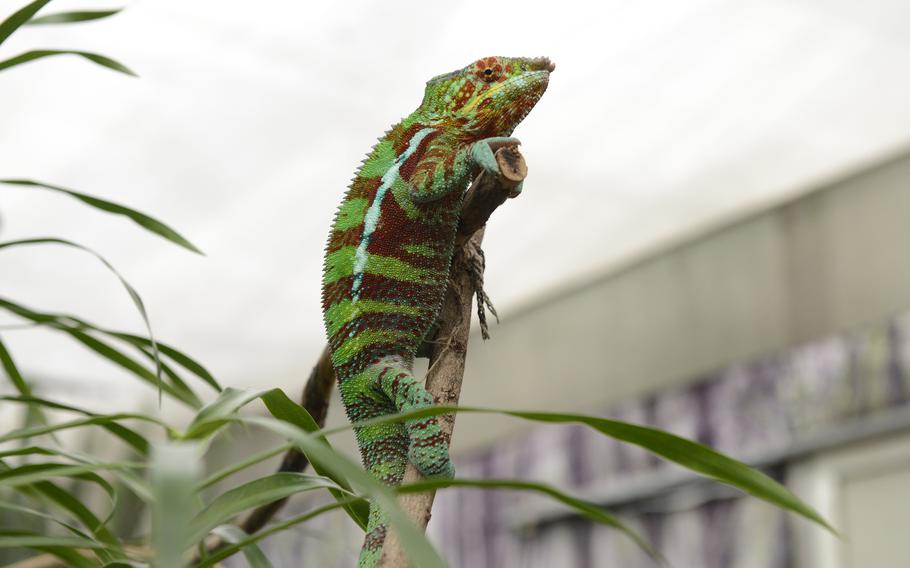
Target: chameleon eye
x=488, y=72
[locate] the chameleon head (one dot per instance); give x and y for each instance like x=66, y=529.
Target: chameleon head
x=490, y=96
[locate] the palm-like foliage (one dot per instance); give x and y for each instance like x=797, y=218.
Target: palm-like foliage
x=42, y=483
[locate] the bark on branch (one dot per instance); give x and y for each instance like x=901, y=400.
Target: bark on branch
x=449, y=351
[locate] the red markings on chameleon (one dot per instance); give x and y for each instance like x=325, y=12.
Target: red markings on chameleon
x=463, y=96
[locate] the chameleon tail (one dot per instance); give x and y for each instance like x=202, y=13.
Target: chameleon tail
x=384, y=448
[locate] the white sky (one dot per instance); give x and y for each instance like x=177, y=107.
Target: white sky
x=663, y=117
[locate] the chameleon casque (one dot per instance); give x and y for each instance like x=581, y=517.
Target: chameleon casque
x=388, y=255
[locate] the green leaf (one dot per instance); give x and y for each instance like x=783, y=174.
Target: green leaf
x=134, y=295
x=178, y=357
x=10, y=539
x=586, y=509
x=175, y=470
x=122, y=360
x=42, y=53
x=414, y=543
x=35, y=414
x=33, y=480
x=130, y=437
x=72, y=17
x=12, y=372
x=691, y=455
x=241, y=465
x=69, y=556
x=33, y=473
x=19, y=17
x=142, y=219
x=257, y=492
x=73, y=505
x=232, y=549
x=44, y=516
x=283, y=408
x=219, y=412
x=233, y=534
x=92, y=420
x=65, y=323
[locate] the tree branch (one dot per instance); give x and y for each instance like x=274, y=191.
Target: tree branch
x=449, y=353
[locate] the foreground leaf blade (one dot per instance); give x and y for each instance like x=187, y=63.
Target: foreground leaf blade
x=96, y=58
x=233, y=534
x=586, y=509
x=415, y=544
x=235, y=547
x=687, y=453
x=175, y=470
x=252, y=494
x=149, y=223
x=19, y=18
x=72, y=17
x=133, y=294
x=67, y=323
x=283, y=408
x=35, y=414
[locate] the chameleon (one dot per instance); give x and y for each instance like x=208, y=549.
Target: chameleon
x=388, y=255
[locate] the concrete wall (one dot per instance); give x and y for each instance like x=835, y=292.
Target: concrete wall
x=831, y=260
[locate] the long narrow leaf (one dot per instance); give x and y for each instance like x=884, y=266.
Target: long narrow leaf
x=107, y=351
x=252, y=494
x=283, y=408
x=19, y=17
x=175, y=469
x=34, y=473
x=65, y=322
x=96, y=58
x=219, y=412
x=22, y=539
x=238, y=466
x=44, y=516
x=121, y=359
x=134, y=295
x=72, y=17
x=235, y=547
x=178, y=357
x=15, y=377
x=142, y=219
x=691, y=455
x=35, y=414
x=131, y=437
x=586, y=509
x=222, y=411
x=96, y=420
x=73, y=505
x=234, y=534
x=414, y=543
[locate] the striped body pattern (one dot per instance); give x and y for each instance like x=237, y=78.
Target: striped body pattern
x=387, y=260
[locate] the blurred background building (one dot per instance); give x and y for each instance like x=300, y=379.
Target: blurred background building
x=712, y=240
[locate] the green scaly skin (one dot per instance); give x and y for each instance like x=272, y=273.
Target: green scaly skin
x=388, y=256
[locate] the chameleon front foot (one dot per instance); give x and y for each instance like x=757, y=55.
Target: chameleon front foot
x=484, y=155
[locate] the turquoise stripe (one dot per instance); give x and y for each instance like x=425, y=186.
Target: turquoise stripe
x=371, y=220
